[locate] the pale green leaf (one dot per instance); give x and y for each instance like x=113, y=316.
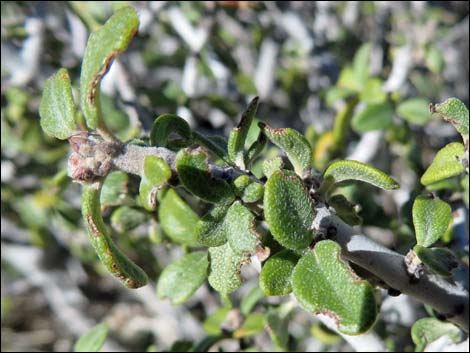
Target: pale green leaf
x=446, y=164
x=454, y=111
x=431, y=217
x=155, y=176
x=272, y=165
x=57, y=109
x=415, y=110
x=253, y=324
x=373, y=92
x=428, y=330
x=295, y=145
x=276, y=275
x=177, y=219
x=183, y=277
x=373, y=117
x=225, y=266
x=323, y=283
x=353, y=170
x=93, y=340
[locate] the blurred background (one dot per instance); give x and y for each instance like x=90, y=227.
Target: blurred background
x=307, y=61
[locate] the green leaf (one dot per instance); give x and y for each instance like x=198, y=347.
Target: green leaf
x=361, y=64
x=212, y=324
x=272, y=165
x=126, y=218
x=373, y=117
x=428, y=330
x=278, y=322
x=415, y=111
x=240, y=229
x=253, y=324
x=250, y=299
x=276, y=275
x=344, y=209
x=454, y=111
x=155, y=176
x=102, y=48
x=210, y=230
x=431, y=217
x=193, y=171
x=183, y=277
x=288, y=210
x=177, y=219
x=236, y=141
x=111, y=256
x=353, y=170
x=93, y=340
x=249, y=190
x=440, y=260
x=295, y=145
x=114, y=190
x=225, y=266
x=372, y=92
x=324, y=284
x=446, y=164
x=342, y=122
x=256, y=148
x=434, y=60
x=167, y=124
x=57, y=109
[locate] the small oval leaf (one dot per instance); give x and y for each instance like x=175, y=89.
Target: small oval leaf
x=454, y=111
x=240, y=228
x=415, y=110
x=102, y=48
x=57, y=109
x=167, y=124
x=183, y=277
x=225, y=266
x=276, y=275
x=193, y=171
x=431, y=218
x=126, y=218
x=253, y=324
x=93, y=340
x=353, y=170
x=428, y=330
x=446, y=164
x=324, y=284
x=295, y=145
x=177, y=219
x=373, y=117
x=440, y=260
x=288, y=210
x=155, y=176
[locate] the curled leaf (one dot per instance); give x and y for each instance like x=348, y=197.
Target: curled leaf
x=113, y=259
x=167, y=124
x=353, y=170
x=102, y=48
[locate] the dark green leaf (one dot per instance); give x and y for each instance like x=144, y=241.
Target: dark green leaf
x=167, y=124
x=126, y=218
x=439, y=260
x=193, y=171
x=288, y=210
x=210, y=230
